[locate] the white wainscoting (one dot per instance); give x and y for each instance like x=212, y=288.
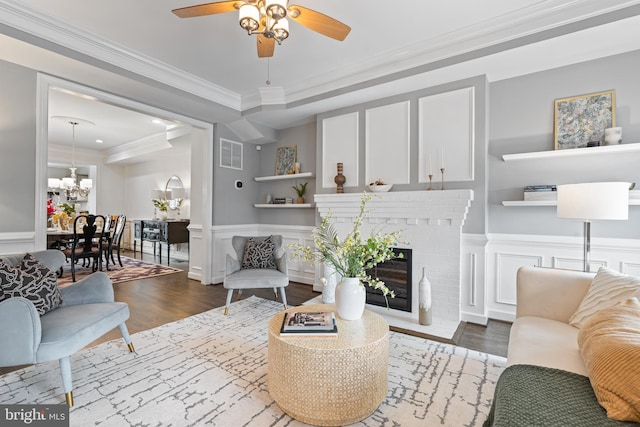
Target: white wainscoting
x=473, y=304
x=508, y=252
x=302, y=272
x=12, y=243
x=340, y=142
x=196, y=251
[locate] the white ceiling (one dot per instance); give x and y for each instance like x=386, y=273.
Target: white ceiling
x=392, y=48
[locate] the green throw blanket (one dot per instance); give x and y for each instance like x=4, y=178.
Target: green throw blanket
x=532, y=396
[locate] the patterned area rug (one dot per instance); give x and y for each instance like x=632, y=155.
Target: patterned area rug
x=210, y=369
x=131, y=269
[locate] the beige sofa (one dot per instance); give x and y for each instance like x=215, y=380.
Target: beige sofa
x=547, y=383
x=541, y=334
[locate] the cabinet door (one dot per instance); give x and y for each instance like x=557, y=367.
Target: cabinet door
x=137, y=229
x=163, y=231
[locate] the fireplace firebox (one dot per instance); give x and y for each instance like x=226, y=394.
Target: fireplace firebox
x=396, y=275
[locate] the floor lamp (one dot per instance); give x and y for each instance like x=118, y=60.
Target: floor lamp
x=593, y=201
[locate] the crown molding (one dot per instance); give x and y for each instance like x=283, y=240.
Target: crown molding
x=510, y=27
x=136, y=150
x=30, y=21
x=456, y=46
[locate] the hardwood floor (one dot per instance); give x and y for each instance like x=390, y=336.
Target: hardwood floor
x=158, y=300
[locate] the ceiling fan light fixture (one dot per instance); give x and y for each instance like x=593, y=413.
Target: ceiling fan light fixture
x=281, y=30
x=249, y=18
x=276, y=9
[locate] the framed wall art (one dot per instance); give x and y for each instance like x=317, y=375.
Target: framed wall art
x=580, y=120
x=286, y=160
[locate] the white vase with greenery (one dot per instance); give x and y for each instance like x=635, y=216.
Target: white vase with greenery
x=351, y=258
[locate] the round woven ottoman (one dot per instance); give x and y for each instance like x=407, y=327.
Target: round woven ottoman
x=334, y=380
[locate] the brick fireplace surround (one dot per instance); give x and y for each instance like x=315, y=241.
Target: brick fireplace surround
x=431, y=225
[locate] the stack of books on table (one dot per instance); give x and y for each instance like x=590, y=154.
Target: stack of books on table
x=309, y=323
x=540, y=192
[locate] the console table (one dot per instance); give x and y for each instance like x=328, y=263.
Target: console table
x=160, y=231
x=329, y=381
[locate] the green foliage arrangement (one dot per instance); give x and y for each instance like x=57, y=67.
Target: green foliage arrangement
x=353, y=256
x=300, y=189
x=68, y=209
x=161, y=205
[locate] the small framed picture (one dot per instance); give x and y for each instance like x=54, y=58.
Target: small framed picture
x=286, y=160
x=580, y=120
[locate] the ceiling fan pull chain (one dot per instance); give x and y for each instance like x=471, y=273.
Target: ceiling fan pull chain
x=268, y=82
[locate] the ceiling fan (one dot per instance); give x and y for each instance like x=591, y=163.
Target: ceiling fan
x=268, y=20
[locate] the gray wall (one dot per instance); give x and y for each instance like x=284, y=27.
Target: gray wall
x=17, y=148
x=232, y=206
x=304, y=138
x=476, y=221
x=521, y=120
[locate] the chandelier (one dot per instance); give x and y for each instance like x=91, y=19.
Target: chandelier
x=269, y=16
x=73, y=189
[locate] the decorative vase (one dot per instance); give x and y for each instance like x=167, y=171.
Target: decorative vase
x=340, y=179
x=300, y=200
x=163, y=216
x=328, y=290
x=424, y=299
x=613, y=136
x=350, y=298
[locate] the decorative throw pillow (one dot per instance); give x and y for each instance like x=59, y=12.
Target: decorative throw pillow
x=258, y=253
x=609, y=344
x=33, y=281
x=608, y=288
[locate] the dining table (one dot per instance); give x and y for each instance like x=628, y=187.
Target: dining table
x=58, y=238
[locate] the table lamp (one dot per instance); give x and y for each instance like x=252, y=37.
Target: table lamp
x=593, y=201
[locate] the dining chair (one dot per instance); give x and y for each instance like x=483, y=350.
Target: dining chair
x=85, y=229
x=105, y=240
x=114, y=241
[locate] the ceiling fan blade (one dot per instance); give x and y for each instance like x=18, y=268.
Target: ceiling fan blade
x=207, y=9
x=319, y=22
x=265, y=45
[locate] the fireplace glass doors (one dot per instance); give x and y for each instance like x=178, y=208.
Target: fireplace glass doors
x=396, y=274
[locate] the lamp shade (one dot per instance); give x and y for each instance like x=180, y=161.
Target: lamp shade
x=54, y=183
x=594, y=201
x=86, y=184
x=157, y=194
x=68, y=182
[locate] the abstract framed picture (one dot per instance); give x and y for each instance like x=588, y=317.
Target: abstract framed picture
x=579, y=120
x=285, y=160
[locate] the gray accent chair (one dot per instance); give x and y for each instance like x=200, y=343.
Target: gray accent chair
x=237, y=278
x=88, y=311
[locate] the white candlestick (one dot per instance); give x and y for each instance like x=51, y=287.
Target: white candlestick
x=442, y=158
x=430, y=170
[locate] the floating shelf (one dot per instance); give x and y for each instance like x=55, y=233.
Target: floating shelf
x=281, y=177
x=283, y=206
x=590, y=151
x=632, y=202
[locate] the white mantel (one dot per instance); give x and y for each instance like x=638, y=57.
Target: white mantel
x=431, y=225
